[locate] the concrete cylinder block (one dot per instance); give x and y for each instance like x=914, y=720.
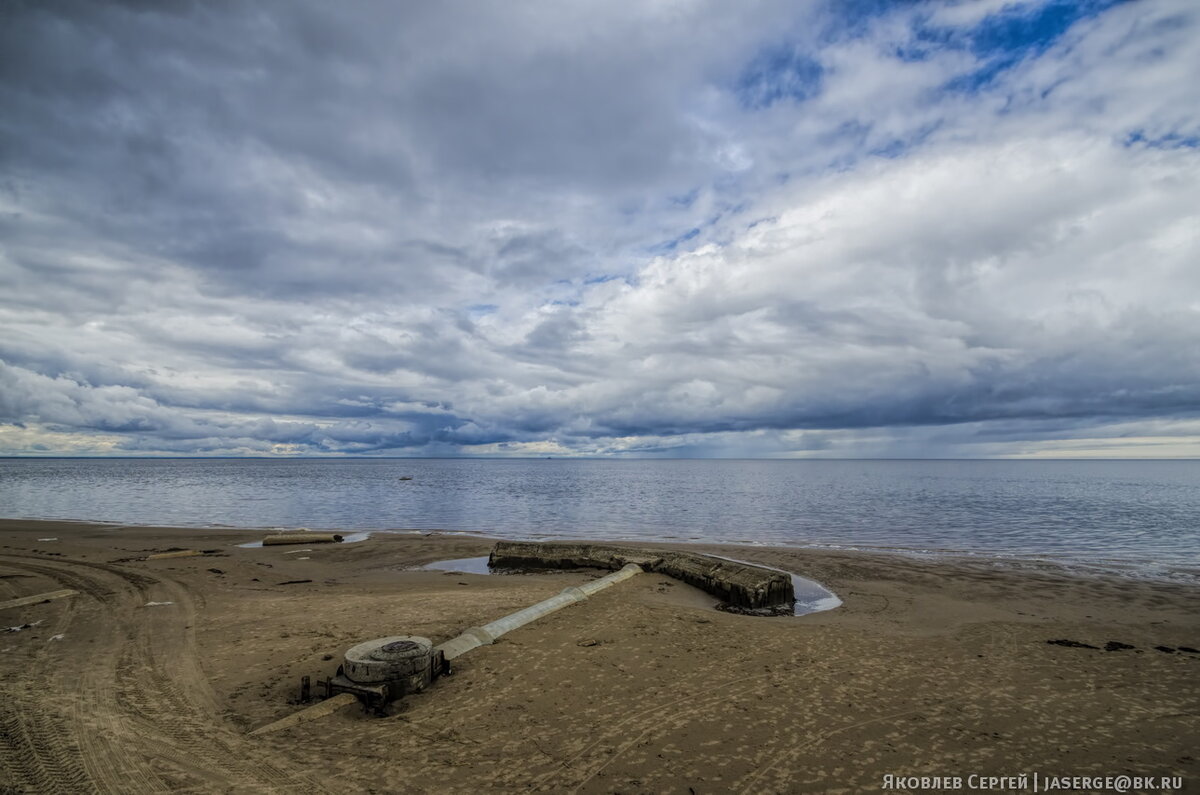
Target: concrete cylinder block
x=387, y=659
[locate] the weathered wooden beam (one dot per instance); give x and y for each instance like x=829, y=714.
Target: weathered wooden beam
x=316, y=711
x=301, y=538
x=36, y=598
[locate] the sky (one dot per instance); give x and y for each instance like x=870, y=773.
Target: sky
x=674, y=228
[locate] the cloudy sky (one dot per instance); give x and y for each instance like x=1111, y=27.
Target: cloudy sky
x=673, y=228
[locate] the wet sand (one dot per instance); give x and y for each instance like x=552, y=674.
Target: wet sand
x=929, y=668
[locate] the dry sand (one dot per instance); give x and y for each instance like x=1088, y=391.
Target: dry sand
x=929, y=668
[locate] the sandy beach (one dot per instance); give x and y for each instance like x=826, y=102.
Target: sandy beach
x=151, y=677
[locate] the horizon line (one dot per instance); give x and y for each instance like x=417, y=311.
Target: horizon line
x=567, y=458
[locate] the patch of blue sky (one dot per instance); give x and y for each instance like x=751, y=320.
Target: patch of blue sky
x=852, y=141
x=602, y=278
x=849, y=19
x=777, y=73
x=901, y=146
x=675, y=242
x=854, y=130
x=928, y=40
x=891, y=150
x=844, y=145
x=693, y=233
x=1171, y=140
x=479, y=310
x=1005, y=38
x=1032, y=27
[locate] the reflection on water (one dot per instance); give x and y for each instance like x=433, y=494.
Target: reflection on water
x=1137, y=514
x=461, y=565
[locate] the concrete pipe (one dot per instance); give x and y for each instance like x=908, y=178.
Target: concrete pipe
x=624, y=573
x=301, y=538
x=475, y=637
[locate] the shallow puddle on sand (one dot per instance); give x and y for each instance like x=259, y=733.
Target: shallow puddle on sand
x=811, y=596
x=461, y=565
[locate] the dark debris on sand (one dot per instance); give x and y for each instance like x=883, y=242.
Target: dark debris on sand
x=1072, y=644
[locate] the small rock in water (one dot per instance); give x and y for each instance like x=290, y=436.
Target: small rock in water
x=1165, y=649
x=1113, y=645
x=588, y=642
x=1189, y=650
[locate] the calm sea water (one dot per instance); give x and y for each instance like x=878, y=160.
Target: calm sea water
x=1143, y=513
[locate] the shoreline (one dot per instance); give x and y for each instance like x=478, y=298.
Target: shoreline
x=1126, y=568
x=150, y=677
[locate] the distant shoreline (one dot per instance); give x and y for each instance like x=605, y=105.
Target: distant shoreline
x=1140, y=517
x=1129, y=569
x=548, y=458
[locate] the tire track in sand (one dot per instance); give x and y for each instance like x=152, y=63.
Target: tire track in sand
x=38, y=752
x=130, y=710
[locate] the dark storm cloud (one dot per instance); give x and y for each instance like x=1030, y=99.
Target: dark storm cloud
x=269, y=147
x=672, y=228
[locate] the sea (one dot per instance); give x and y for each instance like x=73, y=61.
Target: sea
x=1138, y=517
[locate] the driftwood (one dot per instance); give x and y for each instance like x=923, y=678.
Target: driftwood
x=319, y=710
x=301, y=538
x=36, y=598
x=176, y=553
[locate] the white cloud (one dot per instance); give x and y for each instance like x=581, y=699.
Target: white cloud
x=395, y=244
